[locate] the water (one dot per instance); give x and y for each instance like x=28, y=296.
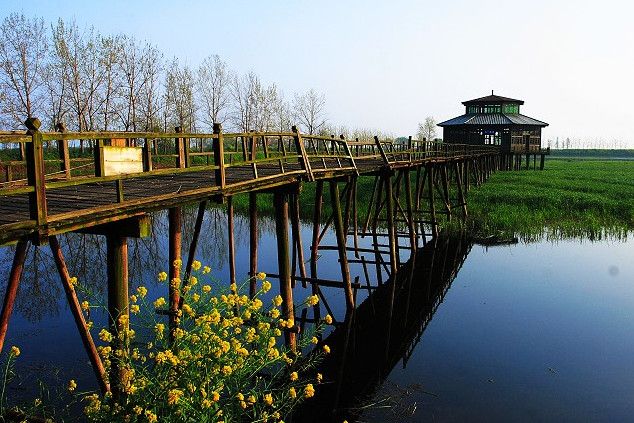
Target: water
x=527, y=332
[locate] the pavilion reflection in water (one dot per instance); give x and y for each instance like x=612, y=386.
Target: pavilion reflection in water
x=383, y=330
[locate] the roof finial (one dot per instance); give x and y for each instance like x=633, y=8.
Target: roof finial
x=491, y=92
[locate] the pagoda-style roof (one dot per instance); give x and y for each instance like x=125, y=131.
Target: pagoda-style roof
x=493, y=99
x=480, y=119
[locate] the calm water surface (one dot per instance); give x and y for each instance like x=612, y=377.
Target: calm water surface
x=527, y=332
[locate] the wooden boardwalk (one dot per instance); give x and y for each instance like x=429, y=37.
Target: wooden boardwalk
x=78, y=194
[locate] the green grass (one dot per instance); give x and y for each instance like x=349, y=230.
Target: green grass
x=569, y=197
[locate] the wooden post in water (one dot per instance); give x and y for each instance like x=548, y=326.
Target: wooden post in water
x=413, y=238
x=193, y=246
x=231, y=238
x=117, y=259
x=432, y=206
x=297, y=235
x=461, y=197
x=280, y=203
x=253, y=242
x=314, y=246
x=78, y=316
x=175, y=263
x=341, y=243
x=12, y=288
x=391, y=224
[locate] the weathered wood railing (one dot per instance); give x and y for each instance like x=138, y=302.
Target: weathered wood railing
x=190, y=166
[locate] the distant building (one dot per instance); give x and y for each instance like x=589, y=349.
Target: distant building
x=495, y=120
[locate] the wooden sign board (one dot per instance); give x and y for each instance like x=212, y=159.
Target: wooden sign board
x=122, y=160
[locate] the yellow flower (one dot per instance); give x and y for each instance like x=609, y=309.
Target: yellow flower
x=105, y=336
x=274, y=313
x=85, y=305
x=226, y=370
x=137, y=410
x=159, y=328
x=178, y=263
x=215, y=396
x=89, y=325
x=195, y=297
x=233, y=287
x=160, y=302
x=193, y=280
x=261, y=276
x=314, y=340
x=134, y=308
x=206, y=288
x=142, y=291
x=328, y=319
x=266, y=286
x=312, y=300
x=196, y=265
x=173, y=396
x=133, y=298
x=309, y=391
x=294, y=376
x=206, y=270
x=240, y=396
x=72, y=385
x=206, y=403
x=268, y=399
x=73, y=281
x=292, y=393
x=277, y=301
x=162, y=277
x=319, y=377
x=151, y=417
x=251, y=399
x=326, y=349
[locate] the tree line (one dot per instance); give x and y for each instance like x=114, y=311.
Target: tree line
x=89, y=81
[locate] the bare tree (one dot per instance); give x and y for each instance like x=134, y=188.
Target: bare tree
x=179, y=95
x=308, y=109
x=244, y=94
x=23, y=49
x=213, y=92
x=110, y=53
x=427, y=130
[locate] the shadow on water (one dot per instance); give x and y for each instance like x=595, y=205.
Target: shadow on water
x=385, y=329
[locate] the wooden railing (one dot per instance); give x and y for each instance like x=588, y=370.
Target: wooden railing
x=232, y=160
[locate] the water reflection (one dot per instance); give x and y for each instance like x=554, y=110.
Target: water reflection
x=384, y=329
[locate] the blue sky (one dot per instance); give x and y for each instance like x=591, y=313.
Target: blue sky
x=388, y=65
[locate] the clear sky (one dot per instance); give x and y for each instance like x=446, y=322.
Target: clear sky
x=389, y=64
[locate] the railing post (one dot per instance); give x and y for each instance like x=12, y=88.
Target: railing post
x=62, y=148
x=98, y=154
x=381, y=150
x=299, y=146
x=181, y=159
x=219, y=156
x=35, y=172
x=349, y=153
x=409, y=148
x=147, y=155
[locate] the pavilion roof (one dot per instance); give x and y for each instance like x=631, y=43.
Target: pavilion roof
x=483, y=119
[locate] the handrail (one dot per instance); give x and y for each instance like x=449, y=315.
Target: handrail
x=260, y=156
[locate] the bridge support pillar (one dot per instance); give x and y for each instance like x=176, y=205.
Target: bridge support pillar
x=175, y=263
x=280, y=203
x=341, y=243
x=12, y=288
x=253, y=241
x=117, y=259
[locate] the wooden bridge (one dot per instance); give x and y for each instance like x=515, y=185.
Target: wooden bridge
x=415, y=184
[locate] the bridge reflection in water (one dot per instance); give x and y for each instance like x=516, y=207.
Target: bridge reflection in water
x=384, y=329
